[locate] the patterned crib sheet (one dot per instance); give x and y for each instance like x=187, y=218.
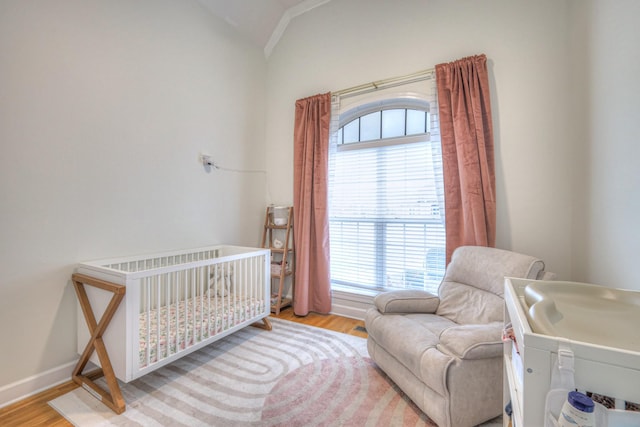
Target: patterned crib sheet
x=186, y=323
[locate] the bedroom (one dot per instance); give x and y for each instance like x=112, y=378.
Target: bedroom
x=107, y=105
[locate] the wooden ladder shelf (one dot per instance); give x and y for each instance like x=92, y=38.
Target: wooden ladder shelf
x=279, y=239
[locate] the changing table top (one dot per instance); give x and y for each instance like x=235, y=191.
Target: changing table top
x=584, y=312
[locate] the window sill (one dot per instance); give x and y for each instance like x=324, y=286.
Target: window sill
x=341, y=290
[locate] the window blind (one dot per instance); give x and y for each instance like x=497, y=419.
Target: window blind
x=386, y=220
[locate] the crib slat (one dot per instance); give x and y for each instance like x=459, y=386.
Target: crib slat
x=204, y=323
x=218, y=319
x=191, y=302
x=207, y=292
x=224, y=301
x=185, y=313
x=148, y=321
x=158, y=295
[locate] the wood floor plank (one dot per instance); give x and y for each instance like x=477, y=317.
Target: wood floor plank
x=327, y=321
x=35, y=411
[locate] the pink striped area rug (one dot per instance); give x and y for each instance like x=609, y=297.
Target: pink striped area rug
x=294, y=375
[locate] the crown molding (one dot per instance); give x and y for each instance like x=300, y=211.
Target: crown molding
x=287, y=16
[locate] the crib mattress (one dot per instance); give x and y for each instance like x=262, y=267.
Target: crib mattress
x=180, y=325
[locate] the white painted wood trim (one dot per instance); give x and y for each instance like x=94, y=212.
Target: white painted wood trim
x=14, y=392
x=287, y=16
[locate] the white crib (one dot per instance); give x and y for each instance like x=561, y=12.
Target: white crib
x=157, y=308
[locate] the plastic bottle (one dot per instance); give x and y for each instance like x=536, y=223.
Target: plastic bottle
x=577, y=411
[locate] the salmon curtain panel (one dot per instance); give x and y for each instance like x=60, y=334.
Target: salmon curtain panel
x=310, y=204
x=466, y=132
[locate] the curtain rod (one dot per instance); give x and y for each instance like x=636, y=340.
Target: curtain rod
x=387, y=83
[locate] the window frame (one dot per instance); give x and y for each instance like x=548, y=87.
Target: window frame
x=356, y=113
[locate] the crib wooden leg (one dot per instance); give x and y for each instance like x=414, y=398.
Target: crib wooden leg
x=265, y=325
x=113, y=397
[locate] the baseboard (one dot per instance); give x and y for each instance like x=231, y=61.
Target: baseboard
x=344, y=304
x=14, y=392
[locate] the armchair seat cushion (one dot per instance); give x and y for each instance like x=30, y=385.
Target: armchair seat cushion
x=472, y=341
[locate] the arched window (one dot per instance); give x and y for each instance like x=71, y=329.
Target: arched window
x=386, y=199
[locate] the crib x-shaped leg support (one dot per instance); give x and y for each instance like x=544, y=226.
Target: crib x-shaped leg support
x=113, y=397
x=266, y=324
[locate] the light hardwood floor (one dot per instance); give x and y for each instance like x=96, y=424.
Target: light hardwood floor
x=34, y=411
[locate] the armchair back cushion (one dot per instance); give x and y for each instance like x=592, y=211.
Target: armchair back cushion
x=472, y=290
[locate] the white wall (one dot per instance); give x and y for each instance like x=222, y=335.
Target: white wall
x=349, y=42
x=606, y=37
x=104, y=109
x=105, y=106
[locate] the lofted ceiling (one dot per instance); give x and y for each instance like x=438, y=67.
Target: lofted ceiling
x=262, y=22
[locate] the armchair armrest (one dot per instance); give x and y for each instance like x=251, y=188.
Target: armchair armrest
x=472, y=341
x=546, y=275
x=406, y=301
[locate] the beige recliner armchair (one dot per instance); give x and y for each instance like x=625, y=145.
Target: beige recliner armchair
x=445, y=351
